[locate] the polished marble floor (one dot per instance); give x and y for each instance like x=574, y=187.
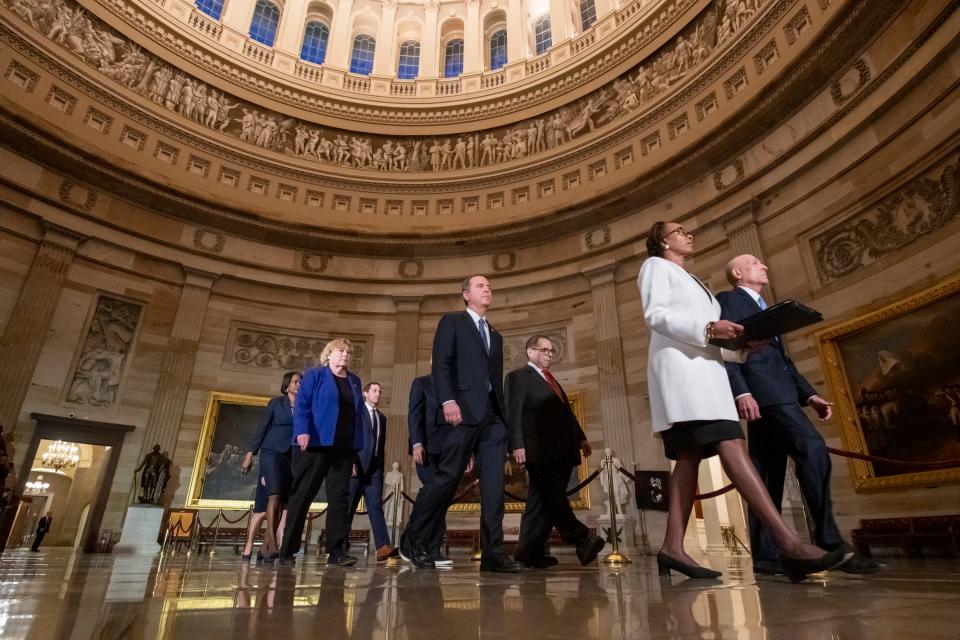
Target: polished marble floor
x=56, y=594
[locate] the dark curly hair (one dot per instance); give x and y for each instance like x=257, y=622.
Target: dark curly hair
x=655, y=239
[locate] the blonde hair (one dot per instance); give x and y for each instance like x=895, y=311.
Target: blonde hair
x=333, y=345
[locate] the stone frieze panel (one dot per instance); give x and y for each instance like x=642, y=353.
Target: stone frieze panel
x=261, y=347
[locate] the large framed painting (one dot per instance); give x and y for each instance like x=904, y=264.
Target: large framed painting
x=895, y=374
x=230, y=420
x=516, y=481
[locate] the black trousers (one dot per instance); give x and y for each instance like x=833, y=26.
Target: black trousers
x=310, y=469
x=37, y=540
x=425, y=472
x=547, y=507
x=488, y=443
x=784, y=431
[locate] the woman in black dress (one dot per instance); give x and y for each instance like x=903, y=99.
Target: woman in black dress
x=273, y=440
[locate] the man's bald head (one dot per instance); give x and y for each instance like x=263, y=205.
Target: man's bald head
x=747, y=271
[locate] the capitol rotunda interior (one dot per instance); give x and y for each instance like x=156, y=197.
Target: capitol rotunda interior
x=197, y=195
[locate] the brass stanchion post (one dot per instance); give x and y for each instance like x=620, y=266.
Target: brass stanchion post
x=614, y=558
x=216, y=534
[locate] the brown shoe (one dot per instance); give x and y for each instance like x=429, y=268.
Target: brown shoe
x=386, y=551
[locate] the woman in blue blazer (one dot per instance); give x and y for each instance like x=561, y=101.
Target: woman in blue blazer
x=328, y=431
x=272, y=441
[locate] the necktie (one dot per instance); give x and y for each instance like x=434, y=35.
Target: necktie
x=553, y=384
x=762, y=303
x=483, y=334
x=376, y=431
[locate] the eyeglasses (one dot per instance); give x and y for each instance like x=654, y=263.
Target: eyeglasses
x=679, y=230
x=549, y=352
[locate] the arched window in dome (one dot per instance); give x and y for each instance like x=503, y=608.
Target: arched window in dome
x=263, y=26
x=541, y=33
x=212, y=8
x=409, y=65
x=453, y=59
x=498, y=49
x=315, y=39
x=588, y=14
x=361, y=59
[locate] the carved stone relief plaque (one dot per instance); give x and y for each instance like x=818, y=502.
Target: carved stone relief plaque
x=261, y=347
x=106, y=350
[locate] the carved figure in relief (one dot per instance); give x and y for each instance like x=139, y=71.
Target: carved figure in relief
x=446, y=154
x=326, y=148
x=488, y=150
x=341, y=151
x=399, y=160
x=300, y=140
x=621, y=492
x=460, y=154
x=471, y=151
x=541, y=142
x=559, y=129
x=584, y=119
x=185, y=103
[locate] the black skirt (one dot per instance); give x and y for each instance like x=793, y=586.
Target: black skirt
x=699, y=433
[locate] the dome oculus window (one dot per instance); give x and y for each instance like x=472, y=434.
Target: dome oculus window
x=361, y=60
x=263, y=26
x=453, y=59
x=409, y=65
x=498, y=49
x=212, y=8
x=543, y=38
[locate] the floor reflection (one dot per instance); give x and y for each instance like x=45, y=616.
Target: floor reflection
x=58, y=595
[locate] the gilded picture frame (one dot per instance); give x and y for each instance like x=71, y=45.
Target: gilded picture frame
x=471, y=502
x=229, y=420
x=895, y=377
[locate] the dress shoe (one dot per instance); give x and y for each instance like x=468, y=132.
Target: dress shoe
x=421, y=559
x=340, y=559
x=588, y=548
x=543, y=562
x=665, y=563
x=767, y=567
x=858, y=563
x=797, y=569
x=440, y=560
x=287, y=561
x=500, y=564
x=386, y=551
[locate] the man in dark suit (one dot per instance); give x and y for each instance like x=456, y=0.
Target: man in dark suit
x=367, y=480
x=548, y=439
x=468, y=380
x=43, y=528
x=770, y=394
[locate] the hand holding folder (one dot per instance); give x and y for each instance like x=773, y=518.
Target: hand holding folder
x=779, y=319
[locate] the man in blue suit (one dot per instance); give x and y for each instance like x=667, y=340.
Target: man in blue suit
x=468, y=380
x=770, y=394
x=367, y=480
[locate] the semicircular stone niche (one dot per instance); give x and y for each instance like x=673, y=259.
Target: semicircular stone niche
x=108, y=52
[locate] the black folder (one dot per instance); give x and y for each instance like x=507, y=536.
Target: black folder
x=781, y=318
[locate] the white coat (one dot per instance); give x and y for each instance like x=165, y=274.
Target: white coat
x=685, y=374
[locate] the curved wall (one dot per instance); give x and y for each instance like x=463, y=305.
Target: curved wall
x=858, y=106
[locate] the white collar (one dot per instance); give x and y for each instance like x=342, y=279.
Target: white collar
x=369, y=406
x=753, y=294
x=536, y=368
x=476, y=317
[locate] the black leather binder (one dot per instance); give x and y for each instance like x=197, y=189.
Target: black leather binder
x=781, y=318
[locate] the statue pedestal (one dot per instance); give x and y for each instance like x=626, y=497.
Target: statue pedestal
x=140, y=529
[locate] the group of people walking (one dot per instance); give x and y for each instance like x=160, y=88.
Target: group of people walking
x=325, y=428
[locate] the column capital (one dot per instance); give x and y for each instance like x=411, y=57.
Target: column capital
x=62, y=236
x=408, y=304
x=199, y=278
x=601, y=274
x=740, y=216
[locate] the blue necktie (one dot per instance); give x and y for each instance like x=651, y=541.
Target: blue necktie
x=483, y=335
x=762, y=303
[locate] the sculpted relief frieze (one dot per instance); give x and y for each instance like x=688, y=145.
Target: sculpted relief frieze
x=111, y=54
x=258, y=347
x=922, y=206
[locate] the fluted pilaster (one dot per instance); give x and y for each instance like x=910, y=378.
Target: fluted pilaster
x=26, y=332
x=341, y=42
x=383, y=62
x=404, y=371
x=559, y=21
x=516, y=32
x=176, y=368
x=472, y=39
x=429, y=53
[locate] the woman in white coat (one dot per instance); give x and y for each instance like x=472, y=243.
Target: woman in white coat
x=692, y=406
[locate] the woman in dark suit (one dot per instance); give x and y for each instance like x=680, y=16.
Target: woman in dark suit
x=272, y=440
x=692, y=406
x=328, y=431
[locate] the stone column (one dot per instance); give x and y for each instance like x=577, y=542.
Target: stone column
x=383, y=62
x=405, y=340
x=176, y=369
x=559, y=21
x=742, y=230
x=27, y=330
x=473, y=40
x=516, y=32
x=603, y=7
x=429, y=55
x=237, y=15
x=340, y=44
x=291, y=28
x=611, y=383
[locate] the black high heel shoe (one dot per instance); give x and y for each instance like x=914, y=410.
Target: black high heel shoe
x=245, y=557
x=797, y=569
x=665, y=563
